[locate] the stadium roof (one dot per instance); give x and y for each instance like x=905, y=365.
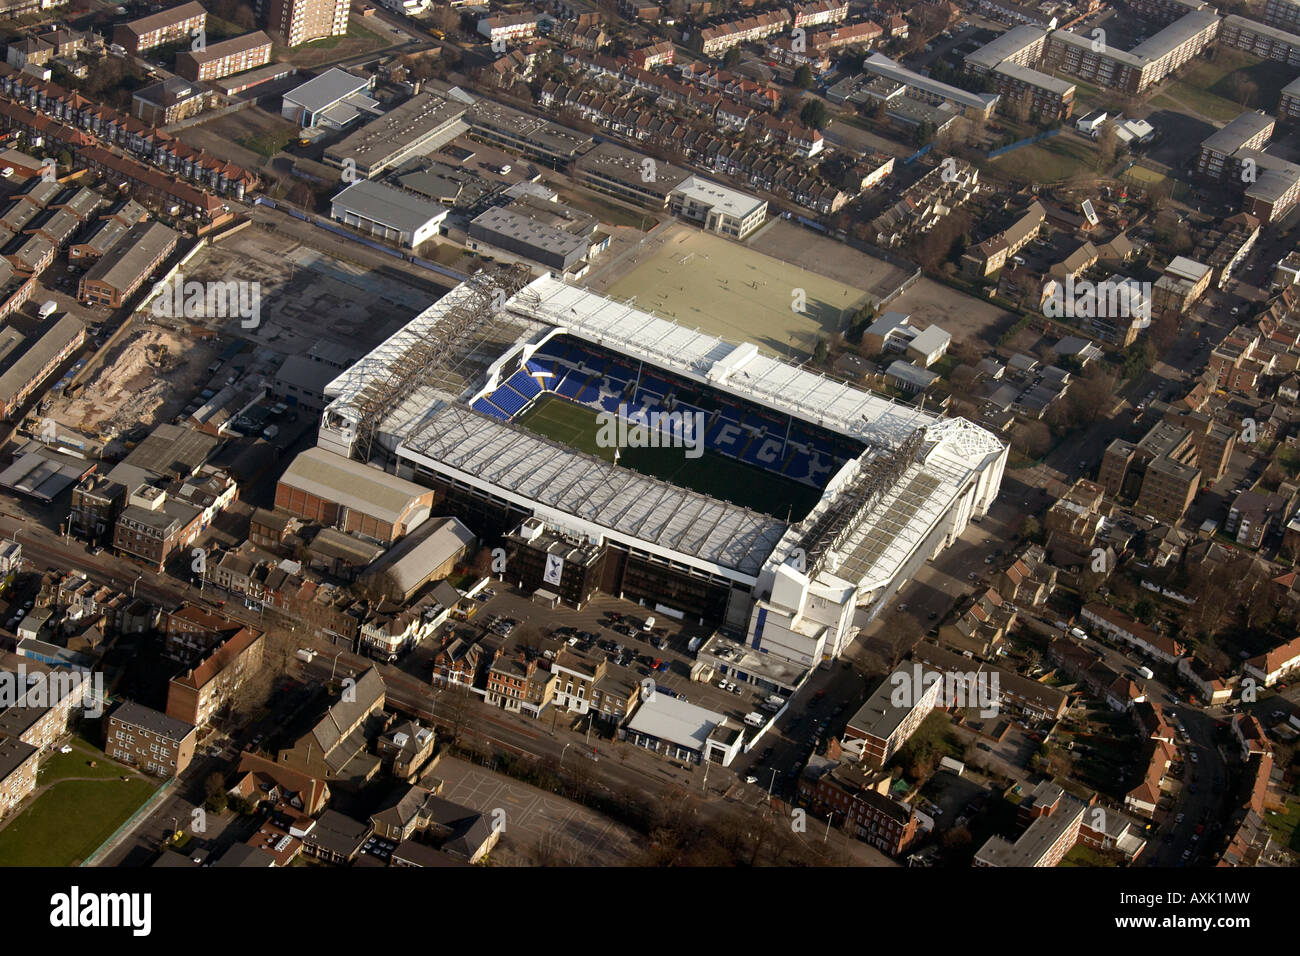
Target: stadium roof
x=531, y=470
x=741, y=370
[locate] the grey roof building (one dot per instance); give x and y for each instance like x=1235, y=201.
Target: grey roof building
x=388, y=212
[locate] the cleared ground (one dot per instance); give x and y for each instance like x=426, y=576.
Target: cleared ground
x=537, y=819
x=963, y=316
x=703, y=281
x=307, y=295
x=148, y=379
x=712, y=473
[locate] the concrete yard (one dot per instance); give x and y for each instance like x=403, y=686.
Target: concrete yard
x=307, y=295
x=802, y=247
x=963, y=316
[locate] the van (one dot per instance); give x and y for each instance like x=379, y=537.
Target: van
x=754, y=719
x=270, y=432
x=1079, y=632
x=48, y=309
x=649, y=624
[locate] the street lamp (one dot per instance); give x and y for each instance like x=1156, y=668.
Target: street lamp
x=828, y=826
x=134, y=583
x=566, y=747
x=334, y=665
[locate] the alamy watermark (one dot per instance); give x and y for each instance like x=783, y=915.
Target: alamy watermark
x=234, y=298
x=651, y=430
x=1110, y=298
x=47, y=688
x=979, y=690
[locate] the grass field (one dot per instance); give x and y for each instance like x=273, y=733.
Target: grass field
x=1049, y=161
x=69, y=821
x=703, y=281
x=712, y=473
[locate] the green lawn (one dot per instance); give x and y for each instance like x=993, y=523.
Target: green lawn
x=69, y=821
x=1284, y=826
x=270, y=143
x=1049, y=161
x=59, y=766
x=712, y=473
x=1083, y=855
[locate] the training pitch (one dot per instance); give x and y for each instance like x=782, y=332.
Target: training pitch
x=703, y=281
x=712, y=473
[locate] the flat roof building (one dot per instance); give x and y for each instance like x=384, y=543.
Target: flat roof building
x=422, y=124
x=728, y=212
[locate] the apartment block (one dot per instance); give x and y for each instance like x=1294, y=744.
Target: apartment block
x=161, y=29
x=883, y=725
x=302, y=21
x=1022, y=46
x=200, y=693
x=1047, y=97
x=222, y=59
x=1247, y=131
x=1288, y=105
x=1135, y=70
x=1052, y=820
x=144, y=738
x=1260, y=40
x=18, y=765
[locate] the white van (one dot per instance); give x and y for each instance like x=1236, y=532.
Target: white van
x=649, y=624
x=48, y=309
x=754, y=719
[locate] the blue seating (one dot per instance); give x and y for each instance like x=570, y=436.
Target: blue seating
x=524, y=384
x=510, y=401
x=570, y=386
x=487, y=408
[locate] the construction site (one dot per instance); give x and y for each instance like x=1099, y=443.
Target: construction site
x=145, y=379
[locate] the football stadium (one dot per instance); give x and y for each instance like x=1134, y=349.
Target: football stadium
x=760, y=497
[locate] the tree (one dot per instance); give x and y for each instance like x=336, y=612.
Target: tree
x=821, y=352
x=803, y=77
x=1107, y=147
x=731, y=59
x=814, y=114
x=923, y=133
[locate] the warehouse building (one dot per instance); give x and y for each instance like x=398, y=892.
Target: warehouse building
x=333, y=100
x=422, y=124
x=352, y=497
x=27, y=365
x=113, y=279
x=389, y=213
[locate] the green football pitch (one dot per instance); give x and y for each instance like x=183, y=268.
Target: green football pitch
x=712, y=473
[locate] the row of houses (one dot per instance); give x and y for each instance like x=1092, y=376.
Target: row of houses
x=83, y=125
